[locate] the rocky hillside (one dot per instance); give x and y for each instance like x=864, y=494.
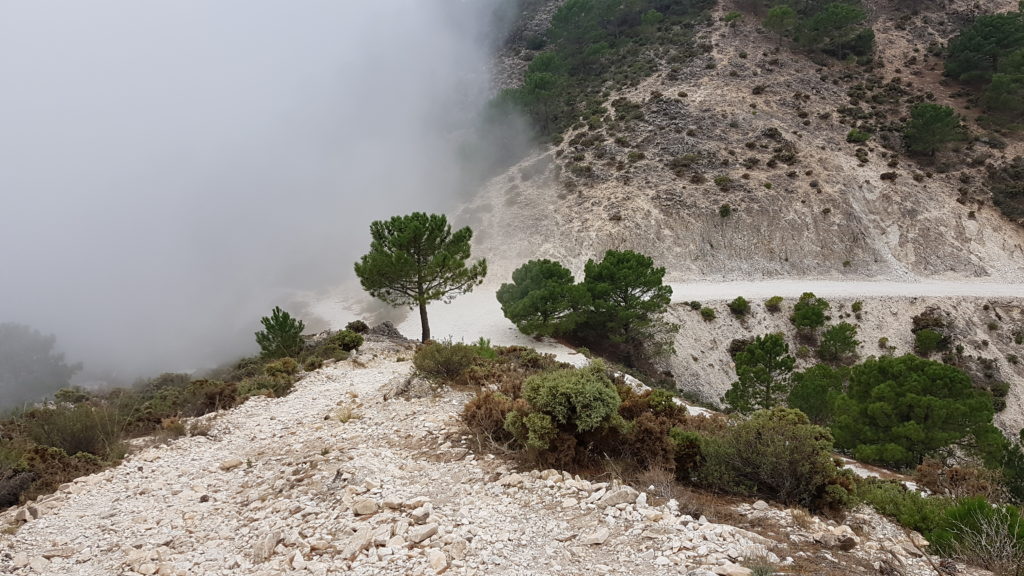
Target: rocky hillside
x=754, y=123
x=345, y=475
x=735, y=166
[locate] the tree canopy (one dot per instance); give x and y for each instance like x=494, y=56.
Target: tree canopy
x=543, y=298
x=930, y=127
x=281, y=335
x=763, y=370
x=30, y=367
x=417, y=259
x=809, y=311
x=627, y=296
x=898, y=410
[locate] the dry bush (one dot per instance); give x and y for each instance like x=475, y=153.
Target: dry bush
x=960, y=481
x=994, y=541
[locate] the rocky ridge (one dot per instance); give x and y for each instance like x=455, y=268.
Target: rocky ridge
x=344, y=476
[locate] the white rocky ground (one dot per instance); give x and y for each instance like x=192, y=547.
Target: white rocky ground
x=342, y=477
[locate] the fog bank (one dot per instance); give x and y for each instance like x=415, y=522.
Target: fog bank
x=169, y=169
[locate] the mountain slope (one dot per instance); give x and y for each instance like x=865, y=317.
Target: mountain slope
x=342, y=476
x=769, y=126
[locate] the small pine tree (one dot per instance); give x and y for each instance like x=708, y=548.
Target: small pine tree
x=930, y=127
x=281, y=335
x=809, y=312
x=763, y=371
x=839, y=343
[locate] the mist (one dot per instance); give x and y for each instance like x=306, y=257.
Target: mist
x=170, y=170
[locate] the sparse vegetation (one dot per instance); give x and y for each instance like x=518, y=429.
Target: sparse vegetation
x=739, y=307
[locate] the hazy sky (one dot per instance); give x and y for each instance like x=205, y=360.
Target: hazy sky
x=169, y=168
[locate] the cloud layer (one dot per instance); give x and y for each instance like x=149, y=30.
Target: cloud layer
x=171, y=168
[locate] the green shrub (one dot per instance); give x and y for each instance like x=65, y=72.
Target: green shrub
x=694, y=305
x=923, y=514
x=284, y=367
x=839, y=343
x=777, y=454
x=725, y=210
x=739, y=306
x=773, y=304
x=723, y=181
x=708, y=314
x=281, y=335
x=731, y=17
x=857, y=307
x=92, y=429
x=445, y=360
x=686, y=446
x=580, y=399
x=347, y=340
x=926, y=342
x=857, y=137
x=991, y=537
x=275, y=387
x=809, y=312
x=357, y=326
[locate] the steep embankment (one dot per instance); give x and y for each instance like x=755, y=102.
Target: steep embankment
x=755, y=124
x=342, y=476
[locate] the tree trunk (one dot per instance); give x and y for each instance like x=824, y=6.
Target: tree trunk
x=424, y=322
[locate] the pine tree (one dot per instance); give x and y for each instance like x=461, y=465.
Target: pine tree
x=763, y=369
x=417, y=259
x=281, y=335
x=543, y=299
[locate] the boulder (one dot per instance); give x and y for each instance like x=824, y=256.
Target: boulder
x=623, y=495
x=230, y=464
x=596, y=537
x=438, y=560
x=418, y=534
x=364, y=507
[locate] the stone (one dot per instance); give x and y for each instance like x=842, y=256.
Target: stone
x=63, y=552
x=357, y=543
x=230, y=464
x=624, y=495
x=438, y=560
x=22, y=515
x=147, y=569
x=570, y=503
x=596, y=537
x=392, y=502
x=458, y=549
x=510, y=480
x=264, y=547
x=732, y=570
x=364, y=507
x=20, y=560
x=39, y=564
x=421, y=514
x=418, y=534
x=760, y=505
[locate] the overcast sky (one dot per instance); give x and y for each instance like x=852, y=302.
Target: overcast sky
x=169, y=168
